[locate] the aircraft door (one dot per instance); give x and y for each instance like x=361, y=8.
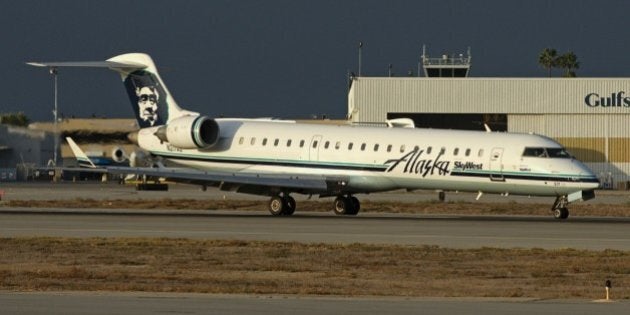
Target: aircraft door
x=496, y=164
x=313, y=149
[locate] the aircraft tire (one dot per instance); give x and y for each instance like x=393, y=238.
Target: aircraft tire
x=355, y=206
x=565, y=213
x=342, y=205
x=289, y=205
x=561, y=213
x=277, y=205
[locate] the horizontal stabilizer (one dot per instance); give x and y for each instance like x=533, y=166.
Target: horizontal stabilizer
x=90, y=64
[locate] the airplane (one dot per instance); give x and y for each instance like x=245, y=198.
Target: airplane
x=277, y=158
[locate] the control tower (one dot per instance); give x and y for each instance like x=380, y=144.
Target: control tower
x=446, y=66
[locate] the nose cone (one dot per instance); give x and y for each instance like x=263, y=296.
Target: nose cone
x=587, y=177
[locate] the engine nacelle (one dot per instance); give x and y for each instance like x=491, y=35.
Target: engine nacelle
x=118, y=155
x=190, y=132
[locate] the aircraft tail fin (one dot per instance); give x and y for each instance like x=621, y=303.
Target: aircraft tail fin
x=152, y=103
x=82, y=158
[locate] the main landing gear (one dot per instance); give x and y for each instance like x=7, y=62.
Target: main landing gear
x=282, y=205
x=347, y=205
x=559, y=208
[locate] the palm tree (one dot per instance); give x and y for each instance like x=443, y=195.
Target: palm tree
x=568, y=62
x=548, y=59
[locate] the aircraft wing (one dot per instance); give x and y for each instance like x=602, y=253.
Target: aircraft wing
x=255, y=183
x=245, y=182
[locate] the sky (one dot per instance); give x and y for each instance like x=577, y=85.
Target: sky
x=285, y=59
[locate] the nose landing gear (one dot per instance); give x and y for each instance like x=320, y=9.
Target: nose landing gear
x=559, y=208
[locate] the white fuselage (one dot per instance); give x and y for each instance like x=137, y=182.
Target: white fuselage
x=380, y=159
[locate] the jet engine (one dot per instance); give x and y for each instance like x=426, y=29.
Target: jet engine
x=135, y=158
x=119, y=155
x=190, y=132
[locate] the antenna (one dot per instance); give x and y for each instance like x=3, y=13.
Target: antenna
x=360, y=49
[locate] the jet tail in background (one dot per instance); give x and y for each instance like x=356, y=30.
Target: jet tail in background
x=82, y=158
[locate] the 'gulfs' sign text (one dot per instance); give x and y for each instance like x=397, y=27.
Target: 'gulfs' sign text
x=614, y=100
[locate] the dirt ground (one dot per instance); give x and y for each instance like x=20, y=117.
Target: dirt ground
x=250, y=267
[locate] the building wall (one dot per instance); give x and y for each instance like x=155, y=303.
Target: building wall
x=370, y=99
x=24, y=146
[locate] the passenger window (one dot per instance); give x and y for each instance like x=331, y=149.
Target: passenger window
x=416, y=148
x=350, y=146
x=456, y=151
x=326, y=144
x=289, y=143
x=376, y=147
x=429, y=149
x=275, y=143
x=301, y=143
x=402, y=148
x=240, y=140
x=363, y=147
x=337, y=145
x=253, y=141
x=314, y=144
x=389, y=148
x=480, y=154
x=467, y=152
x=442, y=150
x=265, y=141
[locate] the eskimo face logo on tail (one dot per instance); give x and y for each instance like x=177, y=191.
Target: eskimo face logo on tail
x=149, y=98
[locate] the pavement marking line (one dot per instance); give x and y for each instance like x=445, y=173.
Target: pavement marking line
x=511, y=238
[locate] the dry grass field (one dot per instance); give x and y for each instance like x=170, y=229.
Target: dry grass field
x=214, y=266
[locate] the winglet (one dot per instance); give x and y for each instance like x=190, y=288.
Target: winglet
x=82, y=158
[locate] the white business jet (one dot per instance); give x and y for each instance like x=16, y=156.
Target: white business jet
x=278, y=158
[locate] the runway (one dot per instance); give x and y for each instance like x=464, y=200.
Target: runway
x=154, y=303
x=454, y=231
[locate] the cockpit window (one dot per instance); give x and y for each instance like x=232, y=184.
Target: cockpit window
x=535, y=152
x=547, y=153
x=558, y=153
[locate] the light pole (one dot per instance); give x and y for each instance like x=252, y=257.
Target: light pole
x=52, y=69
x=54, y=72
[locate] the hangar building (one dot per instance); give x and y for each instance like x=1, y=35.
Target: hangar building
x=589, y=116
x=22, y=149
